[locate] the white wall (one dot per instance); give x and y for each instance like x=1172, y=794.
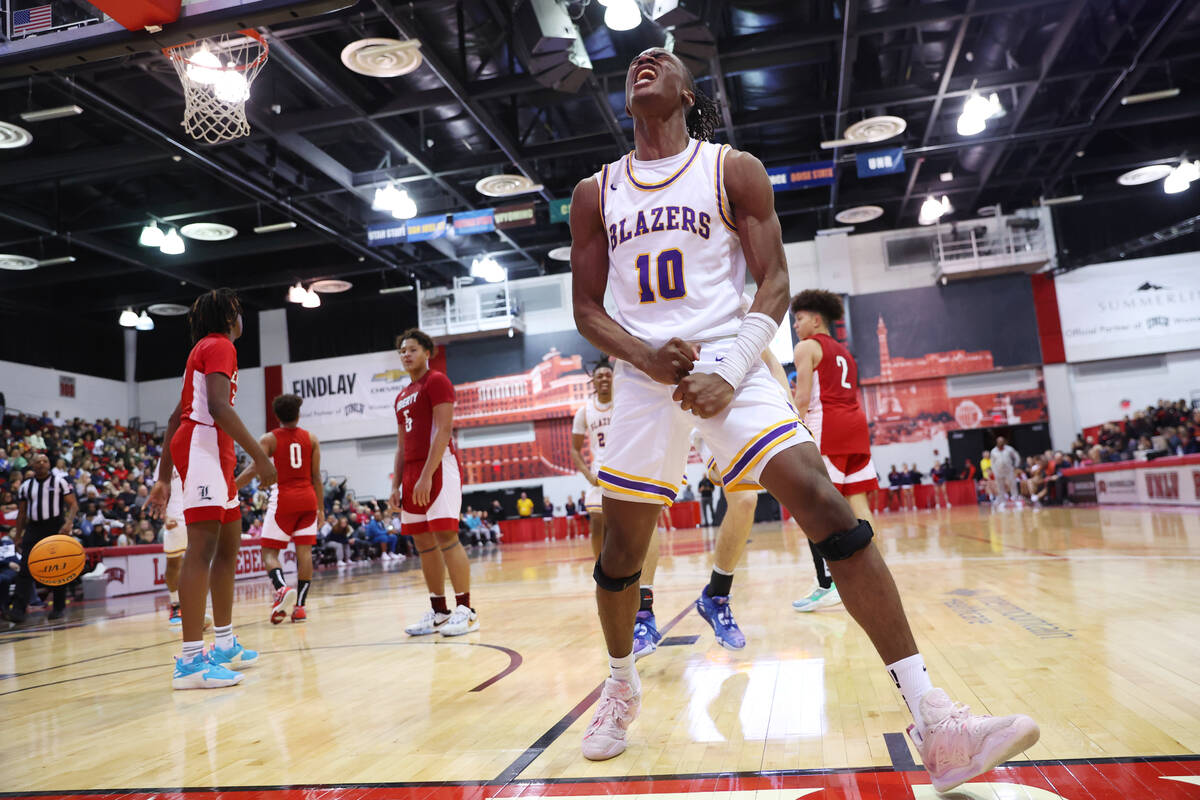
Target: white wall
x=1098, y=387
x=35, y=389
x=157, y=399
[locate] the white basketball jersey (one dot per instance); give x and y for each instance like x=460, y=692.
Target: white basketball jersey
x=594, y=420
x=675, y=263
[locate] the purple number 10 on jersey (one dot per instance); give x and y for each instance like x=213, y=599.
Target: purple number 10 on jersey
x=670, y=277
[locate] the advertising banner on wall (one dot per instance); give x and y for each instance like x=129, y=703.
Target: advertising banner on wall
x=346, y=398
x=133, y=570
x=1117, y=486
x=1129, y=308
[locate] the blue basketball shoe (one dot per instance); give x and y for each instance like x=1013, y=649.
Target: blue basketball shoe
x=645, y=635
x=201, y=672
x=717, y=612
x=233, y=656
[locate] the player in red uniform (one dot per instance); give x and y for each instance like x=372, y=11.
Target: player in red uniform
x=296, y=509
x=826, y=397
x=426, y=486
x=201, y=433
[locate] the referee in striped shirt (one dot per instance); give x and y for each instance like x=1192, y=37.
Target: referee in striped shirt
x=46, y=505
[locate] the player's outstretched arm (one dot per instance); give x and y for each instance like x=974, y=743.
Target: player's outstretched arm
x=589, y=267
x=805, y=359
x=160, y=493
x=753, y=202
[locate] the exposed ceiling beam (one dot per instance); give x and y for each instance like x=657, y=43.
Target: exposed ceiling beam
x=1170, y=23
x=848, y=54
x=490, y=125
x=1066, y=26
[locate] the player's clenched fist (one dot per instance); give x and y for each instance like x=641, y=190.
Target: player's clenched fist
x=705, y=394
x=670, y=363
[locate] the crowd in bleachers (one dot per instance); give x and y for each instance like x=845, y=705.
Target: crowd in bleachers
x=1168, y=429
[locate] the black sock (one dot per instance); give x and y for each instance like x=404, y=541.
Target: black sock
x=276, y=576
x=719, y=585
x=823, y=577
x=647, y=603
x=302, y=592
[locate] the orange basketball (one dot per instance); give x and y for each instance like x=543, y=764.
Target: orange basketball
x=56, y=560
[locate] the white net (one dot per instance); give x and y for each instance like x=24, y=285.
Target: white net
x=216, y=74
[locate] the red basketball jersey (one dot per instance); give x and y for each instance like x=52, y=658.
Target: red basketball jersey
x=414, y=413
x=212, y=354
x=834, y=415
x=293, y=462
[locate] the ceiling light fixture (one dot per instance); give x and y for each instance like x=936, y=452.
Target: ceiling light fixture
x=208, y=231
x=561, y=253
x=311, y=299
x=297, y=294
x=204, y=66
x=144, y=323
x=932, y=210
x=44, y=114
x=977, y=111
x=395, y=289
x=506, y=185
x=1181, y=177
x=1060, y=201
x=869, y=131
x=397, y=201
x=1147, y=174
x=54, y=262
x=172, y=243
x=487, y=269
x=276, y=227
x=622, y=15
x=168, y=309
x=231, y=85
x=1129, y=99
x=152, y=236
x=382, y=58
x=13, y=136
x=128, y=318
x=17, y=263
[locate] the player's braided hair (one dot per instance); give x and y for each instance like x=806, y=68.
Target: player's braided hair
x=214, y=312
x=823, y=302
x=704, y=117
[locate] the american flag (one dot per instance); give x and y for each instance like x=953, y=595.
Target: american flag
x=31, y=20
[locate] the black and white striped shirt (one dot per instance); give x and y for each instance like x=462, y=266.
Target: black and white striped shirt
x=44, y=497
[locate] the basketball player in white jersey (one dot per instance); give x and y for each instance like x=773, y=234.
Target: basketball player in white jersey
x=674, y=226
x=174, y=546
x=591, y=425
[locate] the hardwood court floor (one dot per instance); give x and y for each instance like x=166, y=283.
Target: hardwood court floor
x=1085, y=618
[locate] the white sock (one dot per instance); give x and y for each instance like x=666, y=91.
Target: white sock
x=173, y=595
x=720, y=571
x=622, y=669
x=912, y=680
x=224, y=634
x=192, y=649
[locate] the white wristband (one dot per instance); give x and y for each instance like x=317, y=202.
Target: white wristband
x=753, y=337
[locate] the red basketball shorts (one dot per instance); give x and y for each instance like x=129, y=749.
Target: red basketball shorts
x=206, y=470
x=445, y=498
x=852, y=473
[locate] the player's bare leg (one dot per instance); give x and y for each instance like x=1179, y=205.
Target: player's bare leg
x=284, y=595
x=433, y=568
x=630, y=527
x=171, y=579
x=463, y=618
x=596, y=531
x=713, y=602
x=194, y=576
x=954, y=745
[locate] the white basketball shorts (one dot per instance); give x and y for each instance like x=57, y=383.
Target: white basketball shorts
x=651, y=435
x=174, y=528
x=592, y=500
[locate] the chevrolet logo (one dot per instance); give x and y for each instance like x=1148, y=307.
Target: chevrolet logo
x=389, y=376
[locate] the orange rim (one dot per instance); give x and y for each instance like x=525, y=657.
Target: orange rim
x=170, y=52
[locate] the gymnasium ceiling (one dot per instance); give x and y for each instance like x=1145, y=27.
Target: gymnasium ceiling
x=794, y=74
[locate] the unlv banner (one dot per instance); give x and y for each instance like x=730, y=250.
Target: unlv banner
x=347, y=398
x=1129, y=308
x=143, y=568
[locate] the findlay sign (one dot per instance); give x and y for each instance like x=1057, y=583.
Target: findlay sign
x=347, y=398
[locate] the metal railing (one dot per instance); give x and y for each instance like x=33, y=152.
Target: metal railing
x=461, y=312
x=983, y=246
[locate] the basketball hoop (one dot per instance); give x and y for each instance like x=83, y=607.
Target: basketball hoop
x=216, y=74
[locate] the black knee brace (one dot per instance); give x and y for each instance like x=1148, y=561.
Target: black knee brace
x=613, y=584
x=842, y=545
